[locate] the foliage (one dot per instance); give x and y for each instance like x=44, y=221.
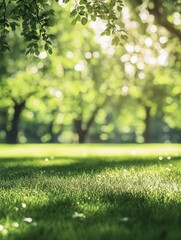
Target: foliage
x=148, y=65
x=35, y=17
x=89, y=87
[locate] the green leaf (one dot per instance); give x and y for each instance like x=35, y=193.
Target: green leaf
x=30, y=45
x=81, y=13
x=47, y=46
x=78, y=18
x=112, y=3
x=124, y=36
x=28, y=51
x=115, y=41
x=52, y=36
x=103, y=33
x=93, y=18
x=74, y=21
x=37, y=52
x=89, y=9
x=84, y=21
x=73, y=13
x=50, y=51
x=119, y=8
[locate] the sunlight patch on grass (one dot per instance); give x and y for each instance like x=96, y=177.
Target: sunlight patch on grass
x=68, y=150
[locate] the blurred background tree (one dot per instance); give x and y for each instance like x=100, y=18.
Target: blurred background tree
x=91, y=91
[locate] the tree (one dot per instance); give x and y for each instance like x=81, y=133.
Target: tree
x=78, y=64
x=149, y=61
x=17, y=89
x=90, y=84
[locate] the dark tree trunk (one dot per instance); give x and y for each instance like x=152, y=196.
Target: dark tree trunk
x=50, y=131
x=12, y=134
x=82, y=137
x=81, y=132
x=4, y=117
x=147, y=121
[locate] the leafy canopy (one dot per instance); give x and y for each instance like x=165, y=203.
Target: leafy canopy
x=34, y=17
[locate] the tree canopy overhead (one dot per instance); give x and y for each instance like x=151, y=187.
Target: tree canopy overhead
x=34, y=17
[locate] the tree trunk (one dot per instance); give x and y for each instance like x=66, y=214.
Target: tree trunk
x=12, y=134
x=147, y=119
x=82, y=137
x=81, y=132
x=78, y=123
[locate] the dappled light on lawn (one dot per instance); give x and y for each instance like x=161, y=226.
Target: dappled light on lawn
x=89, y=191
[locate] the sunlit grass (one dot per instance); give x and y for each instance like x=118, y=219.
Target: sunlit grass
x=90, y=192
x=35, y=150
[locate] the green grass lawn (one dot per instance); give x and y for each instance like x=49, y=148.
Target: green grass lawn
x=89, y=192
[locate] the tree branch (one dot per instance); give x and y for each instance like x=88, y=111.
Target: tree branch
x=160, y=14
x=162, y=19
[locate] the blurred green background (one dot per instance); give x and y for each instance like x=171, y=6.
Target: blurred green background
x=91, y=91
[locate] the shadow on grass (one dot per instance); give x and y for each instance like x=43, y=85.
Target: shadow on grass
x=113, y=216
x=26, y=167
x=13, y=168
x=127, y=217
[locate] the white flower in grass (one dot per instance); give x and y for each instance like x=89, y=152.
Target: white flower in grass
x=124, y=219
x=15, y=224
x=78, y=215
x=168, y=157
x=23, y=205
x=28, y=220
x=125, y=171
x=160, y=158
x=168, y=169
x=4, y=231
x=46, y=159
